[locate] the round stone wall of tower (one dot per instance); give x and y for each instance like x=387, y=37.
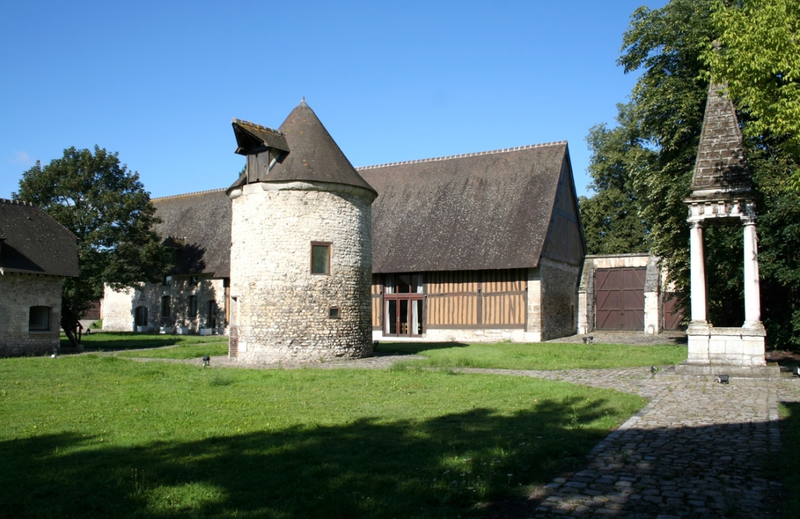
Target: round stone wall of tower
x=301, y=247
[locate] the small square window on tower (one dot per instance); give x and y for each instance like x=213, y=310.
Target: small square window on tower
x=320, y=258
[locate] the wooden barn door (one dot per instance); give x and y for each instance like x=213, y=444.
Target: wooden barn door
x=672, y=314
x=619, y=303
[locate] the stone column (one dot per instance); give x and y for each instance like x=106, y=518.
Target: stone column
x=698, y=273
x=752, y=296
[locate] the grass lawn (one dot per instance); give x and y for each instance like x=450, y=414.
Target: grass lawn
x=100, y=436
x=550, y=356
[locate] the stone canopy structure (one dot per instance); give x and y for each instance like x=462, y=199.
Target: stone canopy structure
x=722, y=193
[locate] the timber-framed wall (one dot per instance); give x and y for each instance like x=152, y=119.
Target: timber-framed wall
x=461, y=300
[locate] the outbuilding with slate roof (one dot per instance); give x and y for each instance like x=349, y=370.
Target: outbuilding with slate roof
x=36, y=254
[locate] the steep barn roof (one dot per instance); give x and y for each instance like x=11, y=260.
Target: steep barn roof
x=488, y=210
x=200, y=225
x=492, y=210
x=33, y=242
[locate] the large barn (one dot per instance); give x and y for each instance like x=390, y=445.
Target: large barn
x=484, y=246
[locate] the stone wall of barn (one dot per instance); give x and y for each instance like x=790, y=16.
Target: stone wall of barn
x=559, y=298
x=533, y=329
x=281, y=312
x=18, y=294
x=205, y=314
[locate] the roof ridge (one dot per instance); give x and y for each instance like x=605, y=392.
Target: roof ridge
x=16, y=202
x=258, y=126
x=187, y=194
x=474, y=154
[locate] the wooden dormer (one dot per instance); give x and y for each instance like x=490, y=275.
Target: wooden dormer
x=263, y=147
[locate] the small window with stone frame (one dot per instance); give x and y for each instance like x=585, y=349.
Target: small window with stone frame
x=320, y=258
x=39, y=319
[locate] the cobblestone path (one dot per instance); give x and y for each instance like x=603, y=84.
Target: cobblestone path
x=699, y=449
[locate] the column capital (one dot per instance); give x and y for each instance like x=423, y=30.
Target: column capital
x=696, y=224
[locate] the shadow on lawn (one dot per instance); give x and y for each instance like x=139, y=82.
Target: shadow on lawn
x=411, y=348
x=789, y=460
x=442, y=467
x=121, y=341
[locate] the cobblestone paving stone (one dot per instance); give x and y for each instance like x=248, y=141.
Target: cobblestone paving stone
x=698, y=449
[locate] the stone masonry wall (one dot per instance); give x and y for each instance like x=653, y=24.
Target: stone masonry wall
x=533, y=329
x=559, y=298
x=119, y=307
x=18, y=293
x=281, y=312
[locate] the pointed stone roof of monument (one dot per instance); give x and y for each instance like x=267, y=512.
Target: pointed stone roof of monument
x=720, y=170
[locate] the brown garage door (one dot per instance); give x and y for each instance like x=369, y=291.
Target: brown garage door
x=619, y=303
x=672, y=314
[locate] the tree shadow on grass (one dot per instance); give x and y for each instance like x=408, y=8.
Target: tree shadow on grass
x=412, y=348
x=789, y=460
x=447, y=466
x=122, y=341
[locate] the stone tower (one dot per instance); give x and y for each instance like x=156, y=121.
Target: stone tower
x=301, y=246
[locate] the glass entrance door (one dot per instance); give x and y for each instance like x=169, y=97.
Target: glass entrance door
x=403, y=314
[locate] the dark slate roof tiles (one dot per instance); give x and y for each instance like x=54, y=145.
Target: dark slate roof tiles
x=313, y=154
x=487, y=210
x=201, y=224
x=34, y=242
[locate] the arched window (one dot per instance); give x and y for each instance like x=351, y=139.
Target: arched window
x=39, y=319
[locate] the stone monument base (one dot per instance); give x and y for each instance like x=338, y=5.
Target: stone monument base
x=736, y=352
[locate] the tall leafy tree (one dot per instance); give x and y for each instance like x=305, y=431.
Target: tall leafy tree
x=611, y=218
x=757, y=53
x=646, y=162
x=106, y=207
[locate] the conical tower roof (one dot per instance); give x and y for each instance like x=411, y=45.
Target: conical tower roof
x=313, y=154
x=720, y=171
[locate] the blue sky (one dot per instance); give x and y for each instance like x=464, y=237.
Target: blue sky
x=159, y=82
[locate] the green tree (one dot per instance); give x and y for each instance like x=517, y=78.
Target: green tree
x=612, y=222
x=646, y=162
x=107, y=208
x=758, y=55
